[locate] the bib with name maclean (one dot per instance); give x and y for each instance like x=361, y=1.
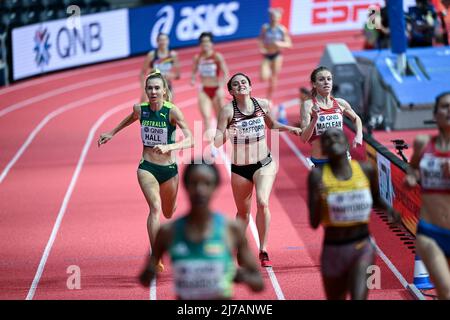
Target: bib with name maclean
x=328, y=118
x=347, y=202
x=155, y=125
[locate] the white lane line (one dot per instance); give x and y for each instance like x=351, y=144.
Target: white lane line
x=64, y=90
x=66, y=74
x=254, y=230
x=55, y=113
x=83, y=84
x=153, y=289
x=68, y=194
x=410, y=287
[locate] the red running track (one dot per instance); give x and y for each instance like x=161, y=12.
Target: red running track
x=64, y=202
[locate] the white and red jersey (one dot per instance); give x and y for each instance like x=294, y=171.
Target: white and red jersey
x=245, y=129
x=327, y=118
x=432, y=177
x=208, y=67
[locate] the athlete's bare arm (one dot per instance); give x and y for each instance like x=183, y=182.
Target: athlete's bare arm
x=315, y=189
x=132, y=117
x=309, y=117
x=412, y=172
x=225, y=115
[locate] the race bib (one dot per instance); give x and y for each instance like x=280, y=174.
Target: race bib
x=251, y=129
x=208, y=69
x=350, y=206
x=197, y=279
x=164, y=67
x=327, y=121
x=153, y=136
x=432, y=173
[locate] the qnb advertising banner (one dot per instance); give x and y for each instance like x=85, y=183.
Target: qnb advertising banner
x=184, y=22
x=314, y=16
x=65, y=43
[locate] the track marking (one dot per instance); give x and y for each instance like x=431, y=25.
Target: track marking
x=63, y=90
x=67, y=196
x=55, y=113
x=254, y=230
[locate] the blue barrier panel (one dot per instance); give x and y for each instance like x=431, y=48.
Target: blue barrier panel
x=184, y=22
x=397, y=26
x=430, y=74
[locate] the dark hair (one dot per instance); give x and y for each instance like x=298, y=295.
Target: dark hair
x=238, y=74
x=201, y=162
x=313, y=77
x=206, y=34
x=438, y=99
x=304, y=91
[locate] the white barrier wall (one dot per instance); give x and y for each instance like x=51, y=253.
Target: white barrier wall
x=314, y=16
x=71, y=42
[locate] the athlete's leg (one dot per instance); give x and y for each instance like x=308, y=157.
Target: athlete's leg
x=205, y=109
x=150, y=187
x=242, y=194
x=275, y=67
x=169, y=191
x=218, y=101
x=436, y=263
x=263, y=179
x=358, y=275
x=335, y=288
x=333, y=271
x=265, y=70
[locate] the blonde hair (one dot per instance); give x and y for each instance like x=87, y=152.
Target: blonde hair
x=156, y=74
x=276, y=11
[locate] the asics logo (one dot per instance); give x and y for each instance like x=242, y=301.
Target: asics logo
x=220, y=18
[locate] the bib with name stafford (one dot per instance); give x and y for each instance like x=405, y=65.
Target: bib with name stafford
x=155, y=125
x=250, y=130
x=348, y=202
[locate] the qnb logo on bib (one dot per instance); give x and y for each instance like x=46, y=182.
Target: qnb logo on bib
x=328, y=121
x=251, y=129
x=153, y=136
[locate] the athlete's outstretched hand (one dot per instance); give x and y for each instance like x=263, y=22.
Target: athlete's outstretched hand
x=104, y=138
x=357, y=142
x=297, y=131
